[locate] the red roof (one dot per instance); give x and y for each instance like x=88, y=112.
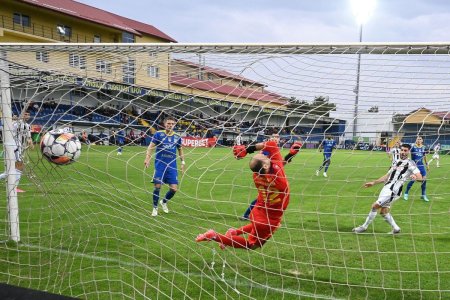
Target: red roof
x=227, y=89
x=218, y=72
x=86, y=12
x=442, y=114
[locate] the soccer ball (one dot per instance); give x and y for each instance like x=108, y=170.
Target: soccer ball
x=60, y=147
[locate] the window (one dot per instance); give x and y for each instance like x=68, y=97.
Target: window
x=210, y=77
x=97, y=39
x=153, y=54
x=128, y=70
x=77, y=61
x=103, y=95
x=153, y=71
x=42, y=56
x=64, y=30
x=127, y=37
x=103, y=66
x=78, y=92
x=21, y=19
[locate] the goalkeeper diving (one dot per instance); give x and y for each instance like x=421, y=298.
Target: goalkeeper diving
x=273, y=197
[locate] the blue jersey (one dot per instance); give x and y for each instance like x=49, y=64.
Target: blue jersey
x=121, y=137
x=328, y=146
x=166, y=149
x=417, y=154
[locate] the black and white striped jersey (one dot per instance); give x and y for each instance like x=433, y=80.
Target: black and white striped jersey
x=21, y=133
x=436, y=149
x=400, y=172
x=395, y=154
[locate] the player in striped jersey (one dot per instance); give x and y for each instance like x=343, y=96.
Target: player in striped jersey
x=418, y=155
x=22, y=138
x=403, y=170
x=436, y=150
x=394, y=153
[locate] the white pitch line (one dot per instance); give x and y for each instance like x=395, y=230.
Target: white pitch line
x=134, y=264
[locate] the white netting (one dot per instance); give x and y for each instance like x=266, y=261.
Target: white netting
x=86, y=229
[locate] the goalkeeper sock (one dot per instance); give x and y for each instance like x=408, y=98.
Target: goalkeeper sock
x=232, y=241
x=169, y=195
x=370, y=217
x=424, y=187
x=244, y=229
x=156, y=197
x=18, y=176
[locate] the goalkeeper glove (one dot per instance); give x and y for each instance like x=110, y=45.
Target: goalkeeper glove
x=239, y=151
x=295, y=148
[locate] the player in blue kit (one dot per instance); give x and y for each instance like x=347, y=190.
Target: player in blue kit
x=120, y=140
x=419, y=157
x=166, y=142
x=327, y=145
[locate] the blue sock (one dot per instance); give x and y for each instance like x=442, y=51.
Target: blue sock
x=156, y=197
x=249, y=209
x=119, y=150
x=169, y=195
x=408, y=187
x=424, y=187
x=326, y=167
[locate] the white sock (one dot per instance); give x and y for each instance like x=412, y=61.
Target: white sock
x=18, y=175
x=370, y=217
x=388, y=217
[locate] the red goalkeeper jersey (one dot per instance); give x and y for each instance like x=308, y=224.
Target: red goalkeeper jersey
x=273, y=187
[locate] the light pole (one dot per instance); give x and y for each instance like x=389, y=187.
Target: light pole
x=362, y=10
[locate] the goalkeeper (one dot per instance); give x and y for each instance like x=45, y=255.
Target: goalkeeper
x=275, y=137
x=273, y=198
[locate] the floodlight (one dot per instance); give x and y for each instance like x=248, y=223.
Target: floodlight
x=362, y=9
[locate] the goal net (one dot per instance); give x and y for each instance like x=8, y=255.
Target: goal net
x=86, y=229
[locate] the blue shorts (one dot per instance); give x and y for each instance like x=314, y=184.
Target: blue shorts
x=121, y=141
x=423, y=170
x=167, y=175
x=326, y=156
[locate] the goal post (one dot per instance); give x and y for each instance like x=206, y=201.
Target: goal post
x=87, y=228
x=8, y=151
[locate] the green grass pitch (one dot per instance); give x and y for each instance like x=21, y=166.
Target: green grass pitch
x=86, y=231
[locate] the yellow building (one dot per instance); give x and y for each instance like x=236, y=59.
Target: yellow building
x=431, y=125
x=70, y=21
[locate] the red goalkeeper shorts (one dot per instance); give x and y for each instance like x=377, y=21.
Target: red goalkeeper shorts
x=263, y=226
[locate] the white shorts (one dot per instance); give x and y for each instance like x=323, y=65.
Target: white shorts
x=387, y=197
x=435, y=156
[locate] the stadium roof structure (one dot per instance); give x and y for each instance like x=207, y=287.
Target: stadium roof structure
x=93, y=14
x=424, y=116
x=227, y=89
x=218, y=72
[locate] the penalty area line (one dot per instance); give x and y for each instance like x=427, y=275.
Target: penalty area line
x=160, y=270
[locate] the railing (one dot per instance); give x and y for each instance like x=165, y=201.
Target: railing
x=44, y=31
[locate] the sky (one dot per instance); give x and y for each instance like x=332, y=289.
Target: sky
x=322, y=21
x=286, y=21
